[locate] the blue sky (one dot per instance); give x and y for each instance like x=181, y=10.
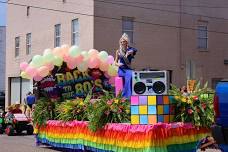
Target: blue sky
x=2, y=14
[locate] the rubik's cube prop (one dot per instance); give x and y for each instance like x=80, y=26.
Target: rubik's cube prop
x=151, y=109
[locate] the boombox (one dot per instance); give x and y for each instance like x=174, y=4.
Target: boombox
x=150, y=82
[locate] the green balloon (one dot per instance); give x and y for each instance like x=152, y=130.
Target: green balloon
x=57, y=61
x=74, y=51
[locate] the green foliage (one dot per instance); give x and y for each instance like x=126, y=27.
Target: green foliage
x=108, y=109
x=195, y=106
x=44, y=110
x=72, y=110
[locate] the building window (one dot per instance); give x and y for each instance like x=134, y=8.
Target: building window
x=28, y=43
x=28, y=11
x=57, y=35
x=190, y=69
x=75, y=32
x=127, y=27
x=17, y=46
x=202, y=37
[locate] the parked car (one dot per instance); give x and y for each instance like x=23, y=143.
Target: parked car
x=17, y=122
x=220, y=129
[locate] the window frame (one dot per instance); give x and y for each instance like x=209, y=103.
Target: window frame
x=205, y=38
x=57, y=38
x=75, y=33
x=28, y=43
x=129, y=19
x=17, y=47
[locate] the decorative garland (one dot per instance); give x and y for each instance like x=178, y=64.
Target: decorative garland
x=121, y=137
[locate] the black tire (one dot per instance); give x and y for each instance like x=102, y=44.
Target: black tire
x=9, y=130
x=1, y=129
x=19, y=131
x=30, y=130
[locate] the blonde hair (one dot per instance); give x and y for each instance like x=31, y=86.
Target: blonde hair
x=124, y=37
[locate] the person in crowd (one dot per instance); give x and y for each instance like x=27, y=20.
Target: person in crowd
x=123, y=59
x=30, y=99
x=16, y=109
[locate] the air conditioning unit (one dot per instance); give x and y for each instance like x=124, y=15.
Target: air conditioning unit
x=150, y=82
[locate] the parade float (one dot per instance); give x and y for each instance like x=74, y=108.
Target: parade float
x=80, y=106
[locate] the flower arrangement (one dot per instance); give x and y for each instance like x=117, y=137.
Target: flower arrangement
x=108, y=109
x=73, y=109
x=105, y=109
x=194, y=106
x=45, y=110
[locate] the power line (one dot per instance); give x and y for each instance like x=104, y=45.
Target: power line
x=112, y=18
x=161, y=10
x=168, y=4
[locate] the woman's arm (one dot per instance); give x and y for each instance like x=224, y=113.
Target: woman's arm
x=116, y=58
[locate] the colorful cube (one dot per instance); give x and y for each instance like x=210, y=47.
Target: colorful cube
x=159, y=100
x=152, y=119
x=134, y=119
x=135, y=110
x=142, y=100
x=160, y=118
x=152, y=110
x=134, y=100
x=166, y=99
x=160, y=109
x=143, y=110
x=166, y=118
x=152, y=100
x=143, y=119
x=166, y=109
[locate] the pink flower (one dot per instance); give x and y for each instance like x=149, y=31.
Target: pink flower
x=107, y=112
x=204, y=105
x=123, y=100
x=190, y=111
x=109, y=102
x=119, y=110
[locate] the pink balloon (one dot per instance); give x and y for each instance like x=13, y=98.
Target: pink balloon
x=43, y=71
x=58, y=52
x=23, y=66
x=93, y=53
x=93, y=62
x=110, y=59
x=65, y=50
x=37, y=78
x=78, y=59
x=31, y=71
x=50, y=66
x=104, y=66
x=71, y=65
x=66, y=58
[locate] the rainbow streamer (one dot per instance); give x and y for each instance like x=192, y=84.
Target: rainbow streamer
x=161, y=137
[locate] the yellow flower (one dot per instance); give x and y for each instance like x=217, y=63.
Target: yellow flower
x=81, y=103
x=112, y=107
x=176, y=97
x=116, y=101
x=127, y=111
x=183, y=99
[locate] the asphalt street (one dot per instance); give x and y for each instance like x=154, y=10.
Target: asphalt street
x=22, y=143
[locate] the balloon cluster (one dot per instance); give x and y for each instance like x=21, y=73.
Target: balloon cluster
x=73, y=56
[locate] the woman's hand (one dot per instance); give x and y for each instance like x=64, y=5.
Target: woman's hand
x=129, y=53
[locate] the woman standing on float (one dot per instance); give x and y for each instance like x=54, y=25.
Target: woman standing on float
x=124, y=56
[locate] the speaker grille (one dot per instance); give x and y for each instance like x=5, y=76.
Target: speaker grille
x=159, y=87
x=139, y=87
